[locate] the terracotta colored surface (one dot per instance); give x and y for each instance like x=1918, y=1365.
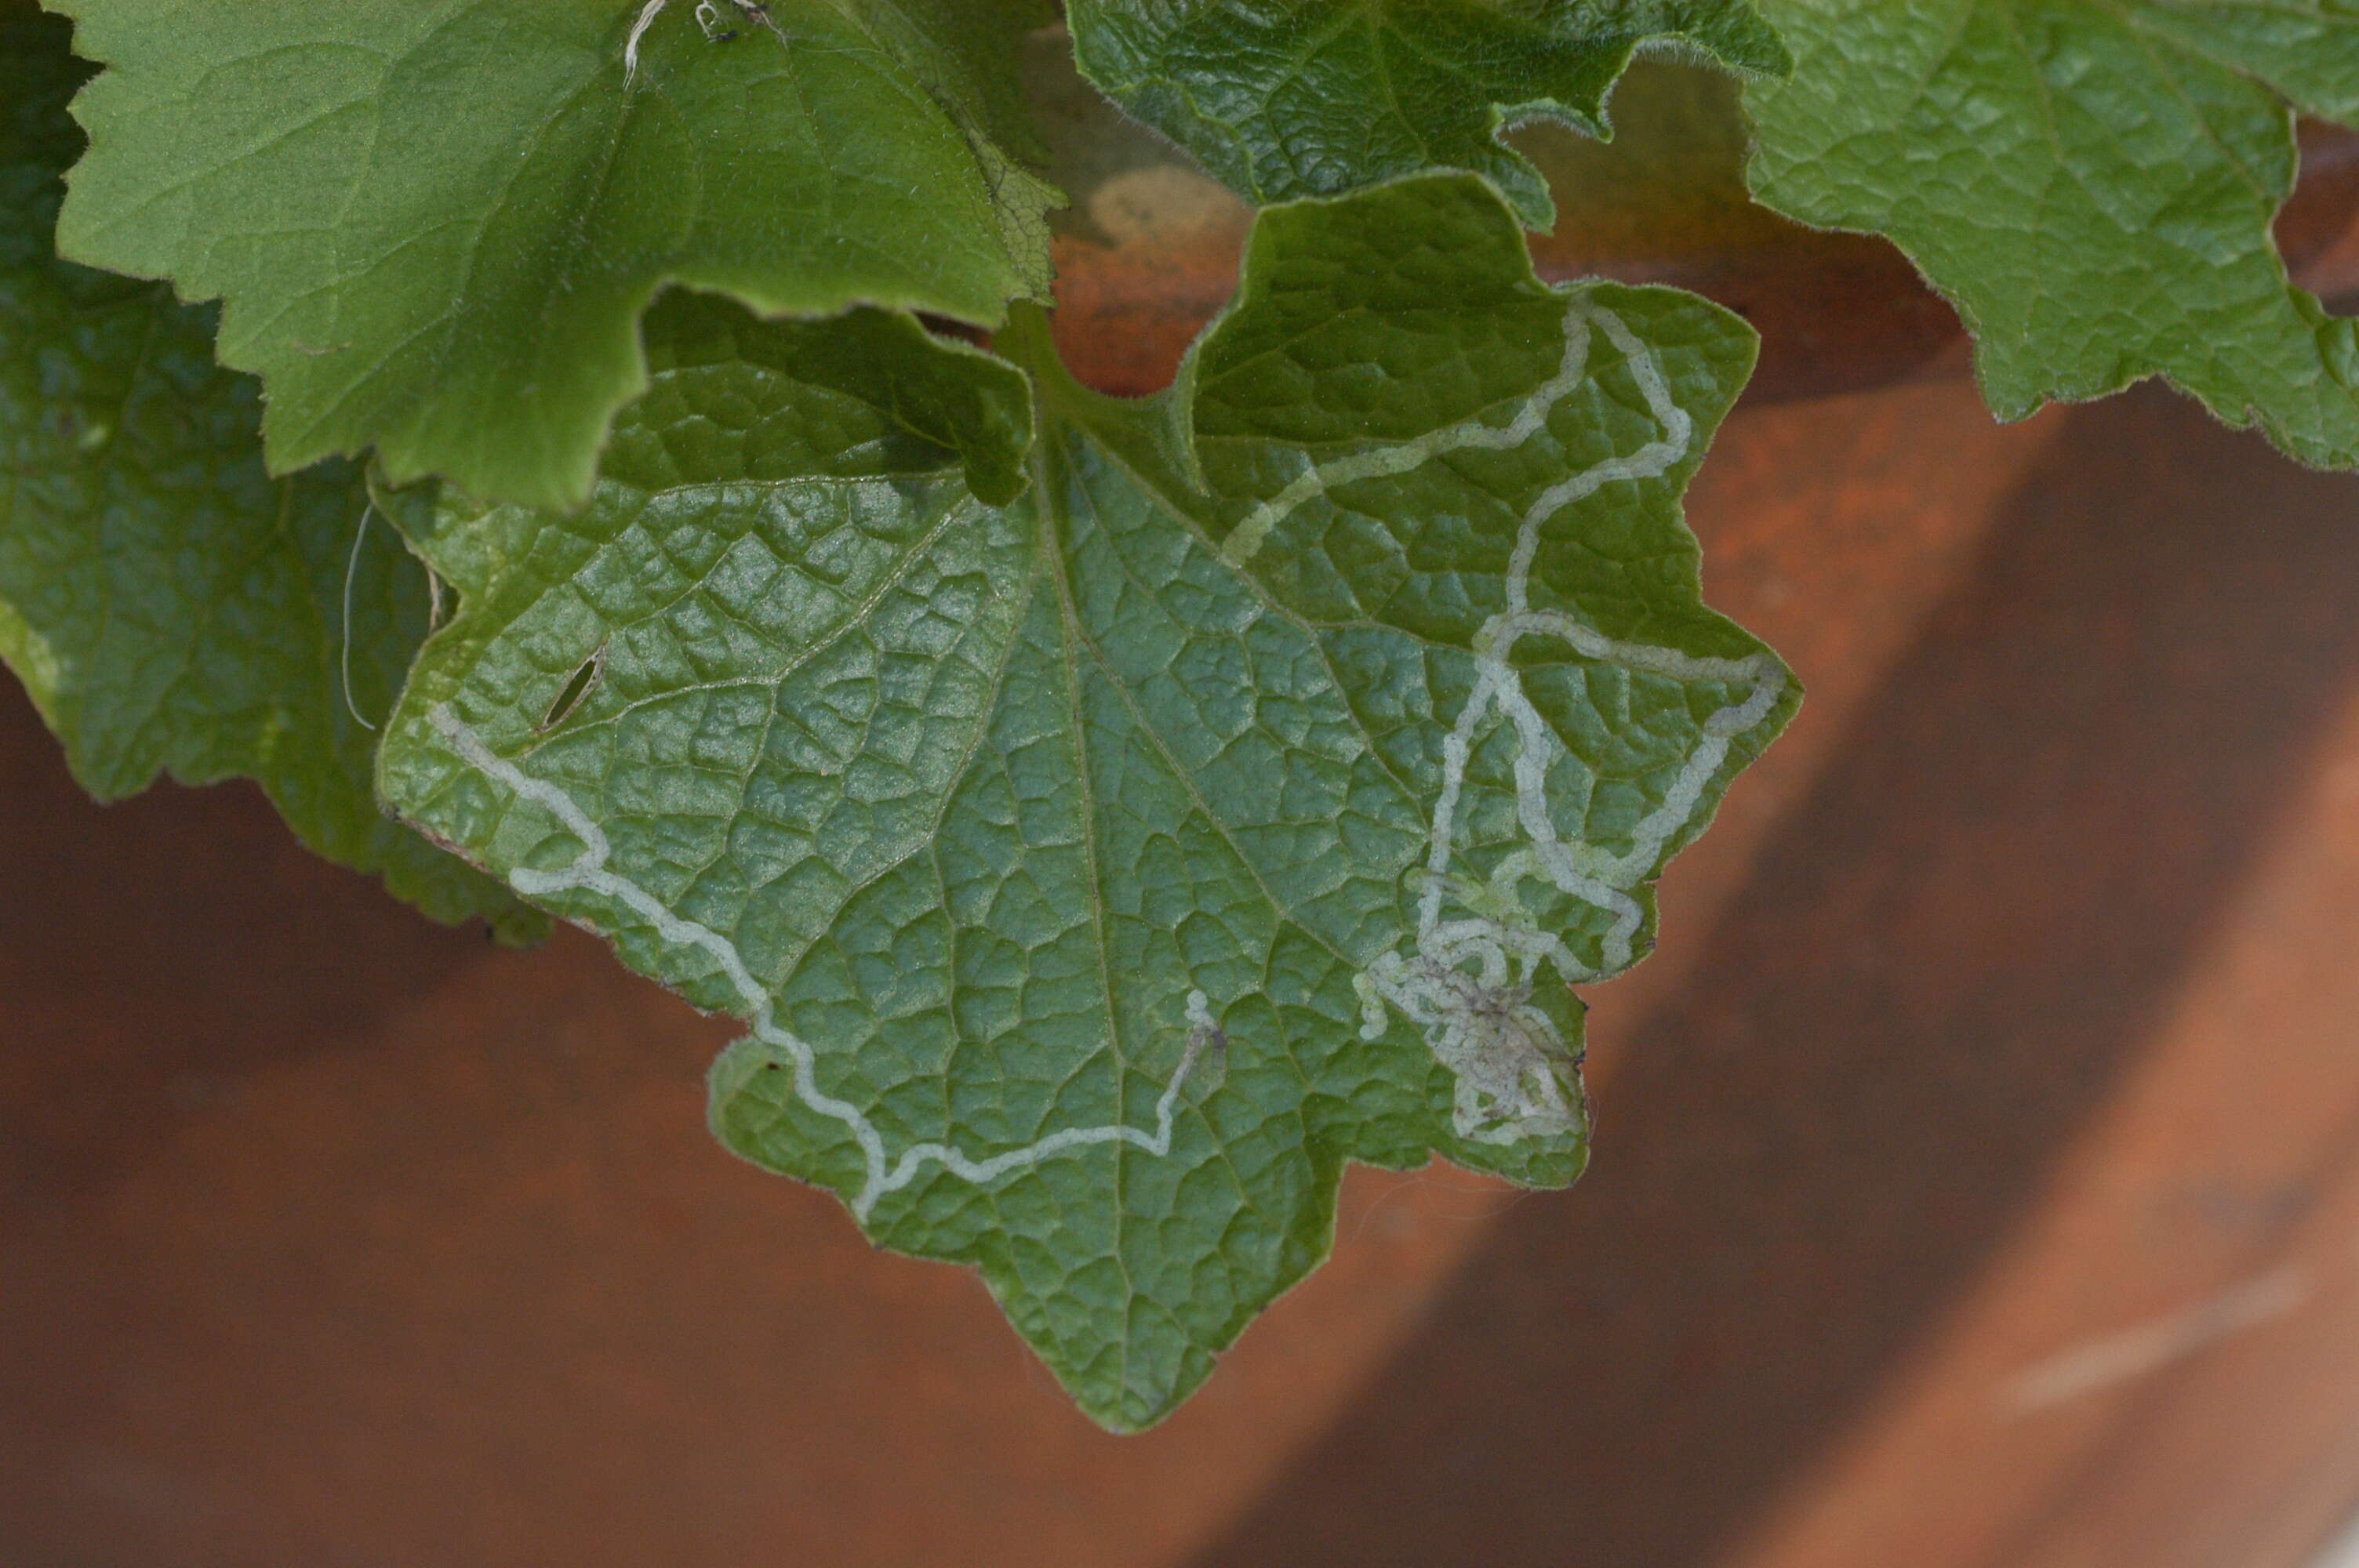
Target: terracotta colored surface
x=331, y=1237
x=2003, y=1023
x=2158, y=1368
x=1984, y=924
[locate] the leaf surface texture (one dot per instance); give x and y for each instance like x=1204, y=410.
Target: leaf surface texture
x=1288, y=97
x=169, y=606
x=435, y=224
x=2091, y=184
x=1099, y=869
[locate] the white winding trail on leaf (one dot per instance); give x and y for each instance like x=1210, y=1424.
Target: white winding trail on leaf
x=1468, y=983
x=589, y=873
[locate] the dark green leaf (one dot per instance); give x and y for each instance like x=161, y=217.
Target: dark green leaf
x=1100, y=871
x=435, y=223
x=2091, y=184
x=169, y=606
x=1287, y=97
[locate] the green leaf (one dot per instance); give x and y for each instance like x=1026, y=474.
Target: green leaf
x=916, y=399
x=968, y=53
x=1288, y=97
x=435, y=224
x=1100, y=871
x=168, y=605
x=2091, y=185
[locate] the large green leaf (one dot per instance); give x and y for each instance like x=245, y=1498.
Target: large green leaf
x=435, y=223
x=1288, y=97
x=168, y=605
x=1099, y=872
x=2091, y=184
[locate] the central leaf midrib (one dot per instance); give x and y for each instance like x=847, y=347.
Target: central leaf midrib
x=1060, y=573
x=1170, y=508
x=1079, y=635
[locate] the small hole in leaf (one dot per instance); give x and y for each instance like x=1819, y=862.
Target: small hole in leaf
x=577, y=686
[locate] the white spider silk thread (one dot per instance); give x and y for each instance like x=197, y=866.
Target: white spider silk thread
x=647, y=19
x=1468, y=983
x=708, y=17
x=344, y=650
x=589, y=872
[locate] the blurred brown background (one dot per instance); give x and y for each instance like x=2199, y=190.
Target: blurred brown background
x=1978, y=1174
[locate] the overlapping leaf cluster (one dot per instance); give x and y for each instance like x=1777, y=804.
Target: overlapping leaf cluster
x=2091, y=184
x=170, y=606
x=1107, y=817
